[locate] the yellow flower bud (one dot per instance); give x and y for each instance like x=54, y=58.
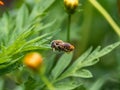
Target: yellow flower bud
x=33, y=60
x=71, y=5
x=1, y=3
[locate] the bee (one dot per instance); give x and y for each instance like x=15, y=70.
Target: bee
x=59, y=45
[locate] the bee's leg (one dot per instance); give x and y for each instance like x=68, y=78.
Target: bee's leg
x=53, y=49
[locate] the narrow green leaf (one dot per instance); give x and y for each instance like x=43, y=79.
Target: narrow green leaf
x=21, y=17
x=40, y=9
x=1, y=83
x=9, y=62
x=11, y=50
x=89, y=63
x=30, y=84
x=93, y=53
x=62, y=63
x=83, y=73
x=108, y=49
x=4, y=27
x=26, y=33
x=98, y=83
x=44, y=5
x=9, y=68
x=104, y=51
x=38, y=38
x=93, y=58
x=4, y=59
x=34, y=13
x=76, y=64
x=46, y=26
x=33, y=47
x=26, y=14
x=47, y=39
x=49, y=63
x=88, y=60
x=29, y=30
x=68, y=84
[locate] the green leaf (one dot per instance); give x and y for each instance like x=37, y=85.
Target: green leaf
x=9, y=68
x=76, y=64
x=68, y=84
x=9, y=62
x=4, y=26
x=83, y=73
x=22, y=17
x=10, y=65
x=89, y=63
x=62, y=64
x=21, y=33
x=46, y=25
x=45, y=4
x=4, y=59
x=93, y=58
x=99, y=83
x=40, y=9
x=38, y=38
x=30, y=84
x=93, y=53
x=33, y=47
x=28, y=31
x=108, y=49
x=88, y=59
x=1, y=83
x=49, y=63
x=34, y=13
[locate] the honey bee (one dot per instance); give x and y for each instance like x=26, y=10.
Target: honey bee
x=61, y=46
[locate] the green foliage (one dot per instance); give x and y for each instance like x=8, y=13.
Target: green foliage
x=26, y=29
x=20, y=33
x=68, y=76
x=86, y=59
x=1, y=83
x=68, y=84
x=61, y=65
x=30, y=84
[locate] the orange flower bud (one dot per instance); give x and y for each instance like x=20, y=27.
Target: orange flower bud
x=33, y=60
x=71, y=5
x=1, y=3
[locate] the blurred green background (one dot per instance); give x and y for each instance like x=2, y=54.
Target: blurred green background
x=88, y=28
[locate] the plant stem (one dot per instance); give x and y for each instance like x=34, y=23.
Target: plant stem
x=106, y=16
x=68, y=29
x=45, y=80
